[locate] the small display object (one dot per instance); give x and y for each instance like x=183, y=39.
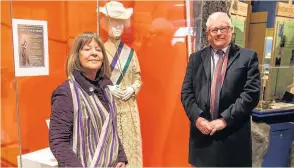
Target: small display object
x=38, y=159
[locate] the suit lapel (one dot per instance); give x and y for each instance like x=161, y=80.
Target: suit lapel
x=206, y=61
x=206, y=58
x=233, y=54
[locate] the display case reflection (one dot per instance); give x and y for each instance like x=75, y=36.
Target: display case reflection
x=277, y=70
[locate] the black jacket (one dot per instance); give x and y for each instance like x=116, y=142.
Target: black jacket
x=239, y=96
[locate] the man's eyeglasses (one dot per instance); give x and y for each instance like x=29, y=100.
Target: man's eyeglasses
x=222, y=30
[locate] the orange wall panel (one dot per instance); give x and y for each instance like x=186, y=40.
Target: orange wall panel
x=52, y=12
x=9, y=147
x=5, y=13
x=81, y=17
x=8, y=111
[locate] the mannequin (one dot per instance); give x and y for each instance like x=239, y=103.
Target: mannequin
x=126, y=78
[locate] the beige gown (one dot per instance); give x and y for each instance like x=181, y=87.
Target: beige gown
x=128, y=120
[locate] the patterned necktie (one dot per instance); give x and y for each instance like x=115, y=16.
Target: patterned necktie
x=216, y=85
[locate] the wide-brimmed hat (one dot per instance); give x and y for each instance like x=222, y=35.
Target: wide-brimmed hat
x=116, y=10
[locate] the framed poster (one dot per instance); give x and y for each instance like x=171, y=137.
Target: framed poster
x=30, y=43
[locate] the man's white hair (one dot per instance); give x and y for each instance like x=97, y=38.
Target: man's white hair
x=221, y=16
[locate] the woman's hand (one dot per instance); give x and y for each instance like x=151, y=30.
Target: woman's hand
x=120, y=164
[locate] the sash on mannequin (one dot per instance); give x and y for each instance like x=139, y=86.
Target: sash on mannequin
x=122, y=57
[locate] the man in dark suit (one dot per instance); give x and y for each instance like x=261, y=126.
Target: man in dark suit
x=219, y=92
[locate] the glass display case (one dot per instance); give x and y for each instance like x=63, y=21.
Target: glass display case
x=277, y=71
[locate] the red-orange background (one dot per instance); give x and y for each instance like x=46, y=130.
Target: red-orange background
x=164, y=124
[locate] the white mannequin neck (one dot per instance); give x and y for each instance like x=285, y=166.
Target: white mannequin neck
x=114, y=41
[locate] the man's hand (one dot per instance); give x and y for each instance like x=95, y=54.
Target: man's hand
x=217, y=125
x=120, y=164
x=203, y=125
